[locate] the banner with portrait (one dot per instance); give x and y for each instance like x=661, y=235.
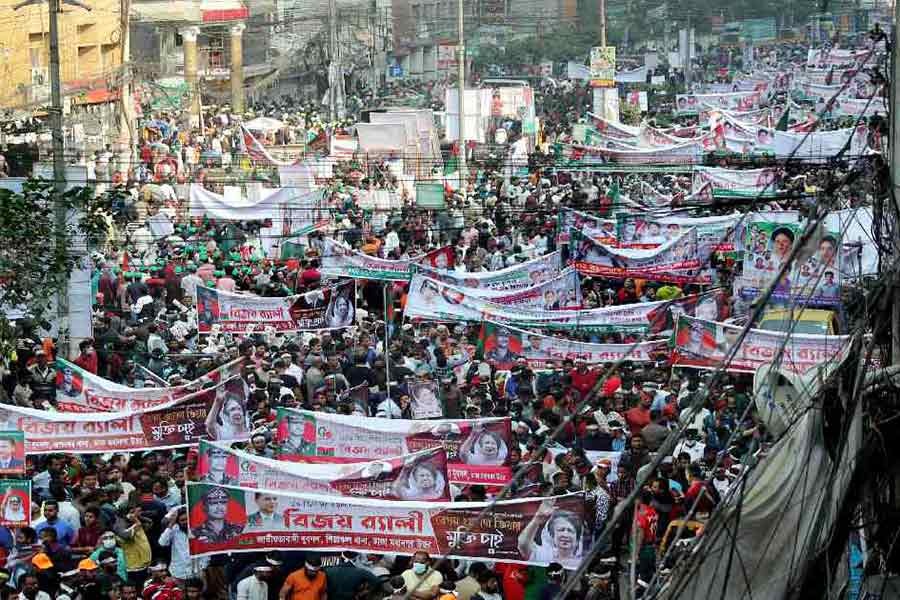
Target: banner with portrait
x=504, y=346
x=815, y=280
x=12, y=453
x=218, y=412
x=705, y=344
x=527, y=531
x=477, y=449
x=425, y=401
x=676, y=261
x=80, y=391
x=714, y=234
x=598, y=229
x=15, y=503
x=733, y=182
x=691, y=104
x=418, y=476
x=430, y=299
x=523, y=275
x=340, y=261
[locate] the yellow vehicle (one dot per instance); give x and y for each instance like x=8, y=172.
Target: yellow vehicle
x=808, y=320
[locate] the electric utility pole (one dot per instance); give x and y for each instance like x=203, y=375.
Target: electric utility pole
x=461, y=87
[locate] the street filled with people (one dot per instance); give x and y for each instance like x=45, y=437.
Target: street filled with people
x=370, y=372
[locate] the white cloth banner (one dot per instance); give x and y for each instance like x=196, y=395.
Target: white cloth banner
x=527, y=274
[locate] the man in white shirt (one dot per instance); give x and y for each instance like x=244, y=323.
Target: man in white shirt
x=255, y=586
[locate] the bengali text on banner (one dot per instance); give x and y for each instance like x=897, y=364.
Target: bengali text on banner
x=477, y=449
x=527, y=531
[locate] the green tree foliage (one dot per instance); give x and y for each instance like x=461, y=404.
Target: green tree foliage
x=36, y=258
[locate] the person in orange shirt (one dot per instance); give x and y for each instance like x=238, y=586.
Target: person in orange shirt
x=308, y=583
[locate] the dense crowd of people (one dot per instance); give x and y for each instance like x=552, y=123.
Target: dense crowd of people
x=115, y=526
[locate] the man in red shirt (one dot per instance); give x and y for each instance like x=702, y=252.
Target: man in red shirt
x=583, y=379
x=646, y=521
x=638, y=417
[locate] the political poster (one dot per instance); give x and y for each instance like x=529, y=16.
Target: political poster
x=477, y=450
x=526, y=531
x=599, y=229
x=726, y=183
x=12, y=453
x=603, y=66
x=692, y=104
x=418, y=476
x=219, y=412
x=340, y=261
x=676, y=261
x=682, y=154
x=430, y=299
x=821, y=146
x=80, y=391
x=425, y=402
x=705, y=344
x=523, y=275
x=814, y=280
x=328, y=308
x=714, y=234
x=505, y=346
x=15, y=503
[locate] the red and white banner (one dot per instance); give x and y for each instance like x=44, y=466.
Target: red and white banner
x=340, y=261
x=477, y=449
x=327, y=308
x=80, y=391
x=419, y=476
x=528, y=531
x=676, y=261
x=705, y=345
x=218, y=413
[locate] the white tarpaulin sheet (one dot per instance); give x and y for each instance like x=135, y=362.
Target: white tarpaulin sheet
x=257, y=207
x=381, y=137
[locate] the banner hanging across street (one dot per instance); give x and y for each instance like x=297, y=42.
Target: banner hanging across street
x=477, y=450
x=531, y=532
x=340, y=261
x=419, y=476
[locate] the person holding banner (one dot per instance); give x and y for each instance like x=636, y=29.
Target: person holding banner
x=341, y=312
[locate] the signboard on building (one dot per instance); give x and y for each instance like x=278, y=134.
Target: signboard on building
x=603, y=66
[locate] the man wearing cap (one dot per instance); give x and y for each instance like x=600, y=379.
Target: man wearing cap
x=274, y=579
x=88, y=587
x=215, y=528
x=42, y=379
x=308, y=583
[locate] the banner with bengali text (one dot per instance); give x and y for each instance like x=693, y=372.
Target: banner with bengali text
x=430, y=299
x=676, y=261
x=80, y=391
x=219, y=412
x=526, y=531
x=340, y=261
x=524, y=275
x=418, y=476
x=503, y=346
x=477, y=449
x=705, y=344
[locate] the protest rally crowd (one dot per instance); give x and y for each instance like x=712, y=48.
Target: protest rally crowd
x=465, y=401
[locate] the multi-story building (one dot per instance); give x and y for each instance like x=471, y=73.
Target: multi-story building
x=90, y=53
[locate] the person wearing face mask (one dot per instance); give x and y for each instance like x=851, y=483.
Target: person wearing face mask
x=345, y=578
x=422, y=583
x=108, y=546
x=308, y=583
x=175, y=535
